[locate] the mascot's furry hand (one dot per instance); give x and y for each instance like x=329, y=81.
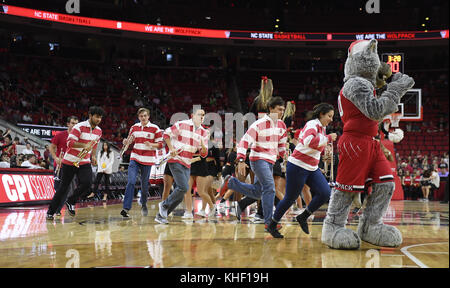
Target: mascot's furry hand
x=400, y=84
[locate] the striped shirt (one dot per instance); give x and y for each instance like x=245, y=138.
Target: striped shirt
x=81, y=133
x=187, y=141
x=266, y=140
x=311, y=143
x=141, y=153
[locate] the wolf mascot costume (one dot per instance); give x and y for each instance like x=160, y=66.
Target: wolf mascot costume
x=361, y=161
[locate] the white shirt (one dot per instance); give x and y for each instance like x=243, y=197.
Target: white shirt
x=4, y=165
x=105, y=163
x=435, y=179
x=28, y=164
x=27, y=151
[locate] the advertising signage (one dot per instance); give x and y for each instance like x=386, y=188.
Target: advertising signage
x=20, y=186
x=42, y=131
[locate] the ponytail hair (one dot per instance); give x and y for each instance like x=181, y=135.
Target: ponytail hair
x=265, y=93
x=290, y=110
x=322, y=108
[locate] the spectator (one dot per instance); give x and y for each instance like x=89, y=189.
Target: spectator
x=27, y=118
x=4, y=161
x=443, y=173
x=426, y=185
x=30, y=162
x=435, y=180
x=446, y=158
x=416, y=190
x=9, y=147
x=443, y=165
x=44, y=164
x=416, y=165
x=138, y=102
x=47, y=155
x=28, y=150
x=419, y=156
x=406, y=185
x=3, y=135
x=36, y=152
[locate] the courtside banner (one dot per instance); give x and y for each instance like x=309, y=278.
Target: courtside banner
x=25, y=187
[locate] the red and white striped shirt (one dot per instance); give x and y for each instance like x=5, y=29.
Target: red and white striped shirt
x=311, y=143
x=186, y=139
x=141, y=153
x=81, y=133
x=266, y=140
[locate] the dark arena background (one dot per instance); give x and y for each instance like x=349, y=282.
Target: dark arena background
x=59, y=58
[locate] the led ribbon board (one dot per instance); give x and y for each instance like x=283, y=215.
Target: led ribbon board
x=218, y=34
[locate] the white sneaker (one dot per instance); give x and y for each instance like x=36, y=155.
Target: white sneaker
x=162, y=211
x=257, y=220
x=213, y=211
x=232, y=211
x=201, y=213
x=296, y=210
x=187, y=215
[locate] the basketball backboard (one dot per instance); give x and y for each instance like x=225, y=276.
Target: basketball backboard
x=412, y=105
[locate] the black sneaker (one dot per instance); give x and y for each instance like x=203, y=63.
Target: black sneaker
x=144, y=210
x=160, y=219
x=301, y=219
x=50, y=217
x=266, y=227
x=124, y=213
x=272, y=229
x=58, y=214
x=70, y=208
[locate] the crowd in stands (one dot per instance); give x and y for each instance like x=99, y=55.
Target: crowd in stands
x=419, y=172
x=29, y=157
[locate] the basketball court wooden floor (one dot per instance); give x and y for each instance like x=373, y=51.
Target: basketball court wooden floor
x=99, y=237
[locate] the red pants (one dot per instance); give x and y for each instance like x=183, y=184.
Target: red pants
x=361, y=163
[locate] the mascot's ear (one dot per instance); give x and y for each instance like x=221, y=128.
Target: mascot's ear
x=372, y=47
x=384, y=73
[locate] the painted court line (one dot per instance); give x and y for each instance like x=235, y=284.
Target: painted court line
x=405, y=251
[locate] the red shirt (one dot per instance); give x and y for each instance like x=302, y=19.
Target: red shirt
x=11, y=149
x=354, y=120
x=60, y=140
x=407, y=180
x=417, y=180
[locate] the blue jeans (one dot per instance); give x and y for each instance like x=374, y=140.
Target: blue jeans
x=296, y=178
x=263, y=188
x=133, y=169
x=181, y=175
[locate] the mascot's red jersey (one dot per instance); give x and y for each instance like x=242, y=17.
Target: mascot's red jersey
x=355, y=122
